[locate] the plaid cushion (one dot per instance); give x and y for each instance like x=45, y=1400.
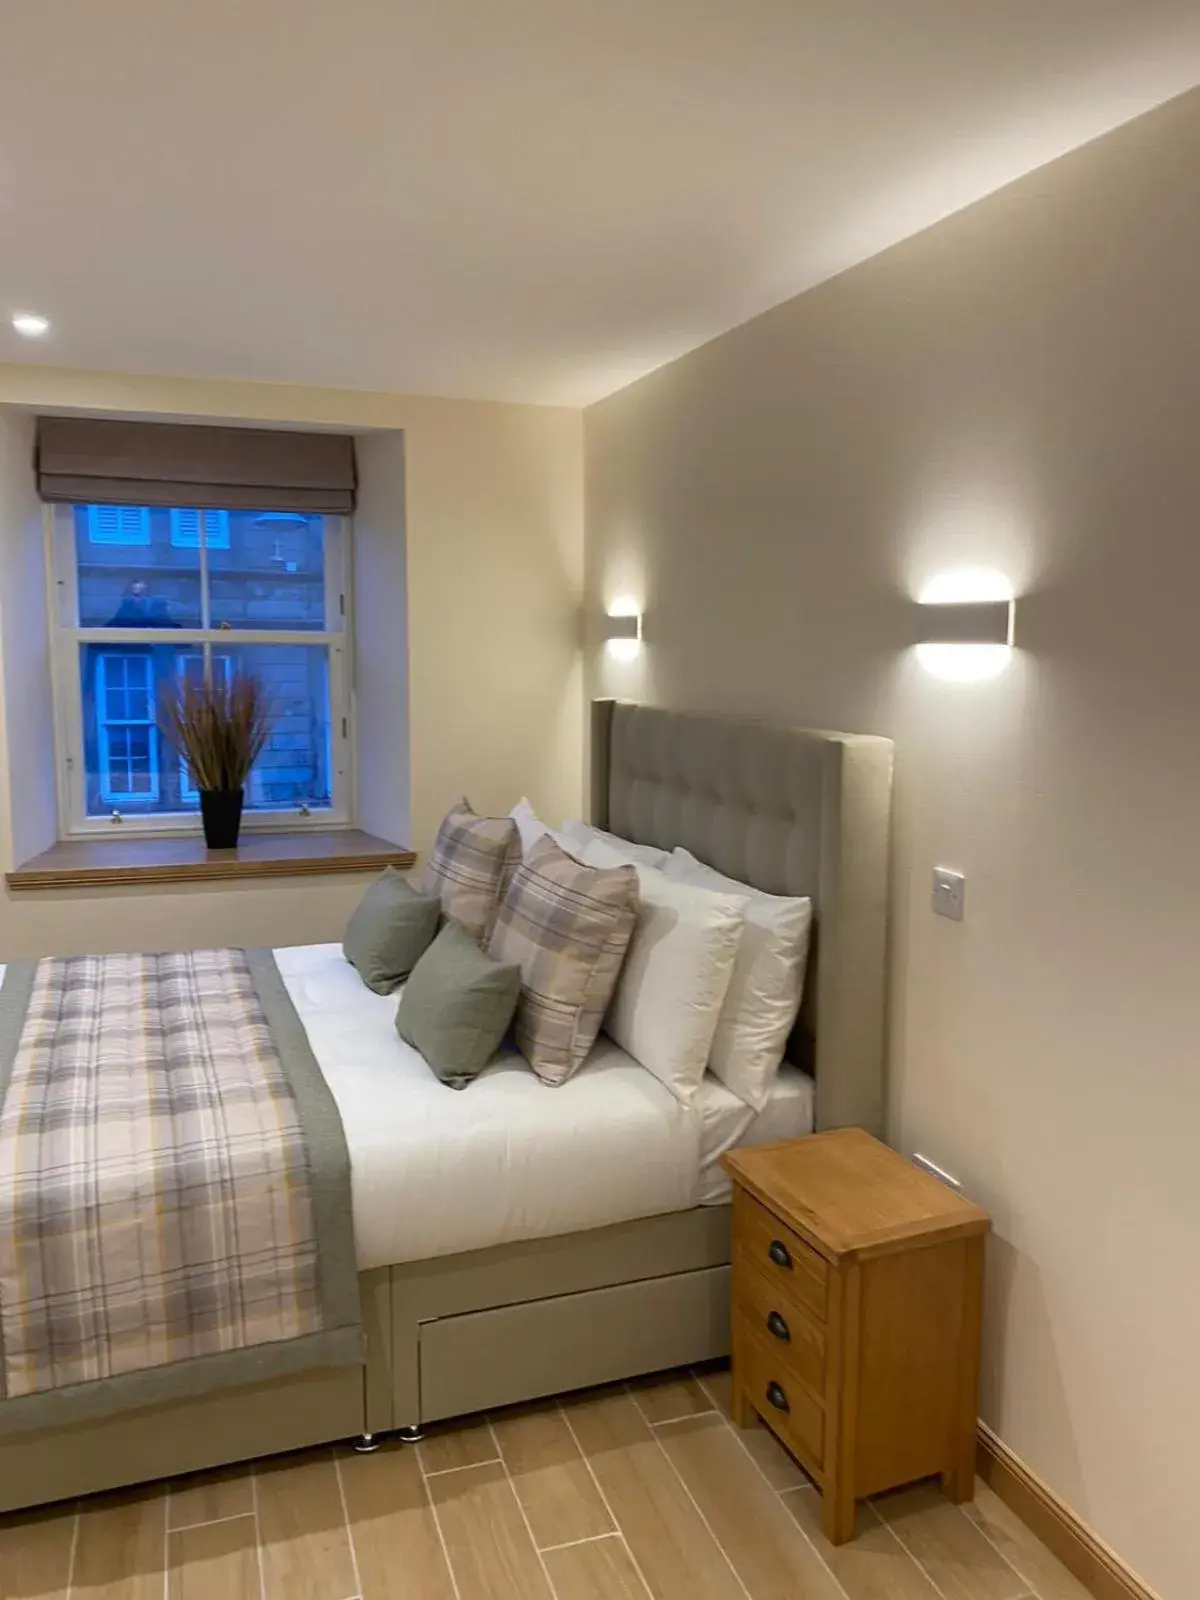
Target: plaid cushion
x=471, y=864
x=567, y=927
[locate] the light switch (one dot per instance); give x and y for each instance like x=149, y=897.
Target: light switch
x=949, y=893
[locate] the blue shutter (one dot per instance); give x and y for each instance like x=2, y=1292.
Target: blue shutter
x=118, y=524
x=186, y=524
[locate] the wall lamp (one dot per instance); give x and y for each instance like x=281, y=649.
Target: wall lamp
x=623, y=630
x=966, y=625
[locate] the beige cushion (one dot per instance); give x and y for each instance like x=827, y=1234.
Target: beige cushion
x=567, y=927
x=472, y=861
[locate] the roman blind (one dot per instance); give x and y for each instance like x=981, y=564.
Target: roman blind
x=105, y=462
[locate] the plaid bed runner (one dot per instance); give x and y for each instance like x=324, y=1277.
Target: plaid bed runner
x=156, y=1183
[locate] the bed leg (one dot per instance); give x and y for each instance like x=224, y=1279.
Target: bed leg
x=411, y=1435
x=367, y=1443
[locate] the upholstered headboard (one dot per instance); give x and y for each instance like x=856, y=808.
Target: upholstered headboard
x=790, y=811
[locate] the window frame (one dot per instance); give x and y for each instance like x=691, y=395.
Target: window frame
x=67, y=639
x=186, y=786
x=105, y=724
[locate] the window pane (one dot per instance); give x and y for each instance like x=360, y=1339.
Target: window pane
x=131, y=768
x=269, y=573
x=187, y=523
x=130, y=573
x=123, y=751
x=296, y=767
x=118, y=525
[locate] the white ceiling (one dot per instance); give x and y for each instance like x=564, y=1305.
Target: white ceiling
x=515, y=199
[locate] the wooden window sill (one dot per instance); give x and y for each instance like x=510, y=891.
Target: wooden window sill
x=144, y=859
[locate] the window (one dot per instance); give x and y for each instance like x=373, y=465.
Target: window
x=186, y=524
x=146, y=596
x=118, y=524
x=125, y=734
x=190, y=667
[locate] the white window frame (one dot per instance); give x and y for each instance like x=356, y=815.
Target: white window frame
x=186, y=786
x=105, y=724
x=67, y=638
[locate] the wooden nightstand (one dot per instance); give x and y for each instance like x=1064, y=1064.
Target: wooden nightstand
x=857, y=1300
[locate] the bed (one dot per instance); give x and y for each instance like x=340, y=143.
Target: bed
x=611, y=1145
x=607, y=1257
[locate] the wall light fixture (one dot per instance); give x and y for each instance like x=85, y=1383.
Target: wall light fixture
x=31, y=324
x=623, y=629
x=967, y=624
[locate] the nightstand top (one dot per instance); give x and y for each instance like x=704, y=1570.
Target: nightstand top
x=848, y=1194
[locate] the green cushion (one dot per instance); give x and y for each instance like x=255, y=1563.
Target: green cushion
x=390, y=931
x=457, y=1006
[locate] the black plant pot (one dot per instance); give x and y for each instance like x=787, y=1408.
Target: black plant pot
x=221, y=811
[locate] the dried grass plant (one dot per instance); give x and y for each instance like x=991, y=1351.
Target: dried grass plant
x=218, y=728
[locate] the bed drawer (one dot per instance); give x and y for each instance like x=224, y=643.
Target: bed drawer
x=492, y=1358
x=783, y=1324
x=779, y=1253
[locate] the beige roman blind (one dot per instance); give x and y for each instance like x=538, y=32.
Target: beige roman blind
x=181, y=464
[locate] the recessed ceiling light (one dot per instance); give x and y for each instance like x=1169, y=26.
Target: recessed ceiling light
x=29, y=325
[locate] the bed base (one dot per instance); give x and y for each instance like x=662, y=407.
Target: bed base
x=444, y=1338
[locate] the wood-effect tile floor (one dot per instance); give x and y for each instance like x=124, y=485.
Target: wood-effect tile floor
x=637, y=1492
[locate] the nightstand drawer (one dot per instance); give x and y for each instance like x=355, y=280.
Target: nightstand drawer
x=788, y=1408
x=782, y=1323
x=780, y=1255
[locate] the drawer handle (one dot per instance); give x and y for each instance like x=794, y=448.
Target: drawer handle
x=777, y=1326
x=779, y=1253
x=777, y=1397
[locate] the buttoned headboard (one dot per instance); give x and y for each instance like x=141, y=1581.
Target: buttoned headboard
x=790, y=811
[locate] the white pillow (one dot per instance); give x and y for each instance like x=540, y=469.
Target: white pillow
x=764, y=994
x=677, y=970
x=529, y=825
x=581, y=834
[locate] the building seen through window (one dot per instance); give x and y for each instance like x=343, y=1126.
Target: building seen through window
x=160, y=594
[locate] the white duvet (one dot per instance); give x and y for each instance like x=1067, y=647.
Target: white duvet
x=436, y=1171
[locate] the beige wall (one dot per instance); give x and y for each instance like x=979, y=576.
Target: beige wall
x=27, y=711
x=1019, y=388
x=492, y=557
x=380, y=608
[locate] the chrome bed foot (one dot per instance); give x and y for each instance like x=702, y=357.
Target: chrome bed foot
x=366, y=1444
x=412, y=1435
